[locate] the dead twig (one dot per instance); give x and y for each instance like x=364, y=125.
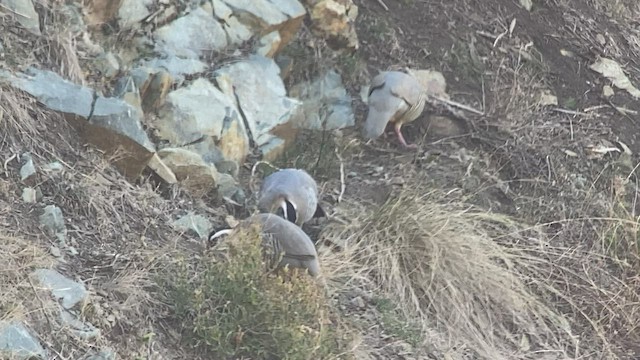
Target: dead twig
x=458, y=105
x=384, y=6
x=569, y=112
x=343, y=185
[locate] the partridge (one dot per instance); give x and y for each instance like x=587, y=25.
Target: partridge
x=394, y=97
x=292, y=194
x=283, y=243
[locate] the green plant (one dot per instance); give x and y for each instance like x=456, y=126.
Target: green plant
x=233, y=308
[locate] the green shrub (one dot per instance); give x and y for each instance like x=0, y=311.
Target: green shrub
x=233, y=308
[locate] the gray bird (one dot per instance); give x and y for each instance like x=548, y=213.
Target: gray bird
x=283, y=243
x=292, y=194
x=394, y=97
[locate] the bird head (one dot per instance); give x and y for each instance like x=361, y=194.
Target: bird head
x=287, y=210
x=215, y=236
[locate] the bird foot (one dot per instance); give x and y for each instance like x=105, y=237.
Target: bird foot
x=403, y=142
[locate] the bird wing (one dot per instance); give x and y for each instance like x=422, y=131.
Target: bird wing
x=406, y=87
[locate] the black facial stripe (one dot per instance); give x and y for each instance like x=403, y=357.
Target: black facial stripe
x=291, y=212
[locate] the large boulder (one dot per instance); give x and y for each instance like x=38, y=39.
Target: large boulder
x=326, y=103
x=192, y=35
x=335, y=20
x=111, y=124
x=202, y=113
x=265, y=16
x=261, y=95
x=24, y=13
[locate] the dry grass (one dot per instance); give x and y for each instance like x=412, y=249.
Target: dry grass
x=482, y=279
x=119, y=230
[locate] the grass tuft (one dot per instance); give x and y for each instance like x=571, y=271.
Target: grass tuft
x=233, y=308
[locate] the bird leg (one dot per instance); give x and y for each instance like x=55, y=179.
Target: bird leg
x=401, y=138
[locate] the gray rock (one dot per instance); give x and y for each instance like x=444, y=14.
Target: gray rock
x=209, y=152
x=229, y=188
x=261, y=93
x=267, y=13
x=53, y=221
x=191, y=35
x=54, y=92
x=28, y=169
x=201, y=111
x=192, y=111
x=29, y=195
x=237, y=33
x=326, y=104
x=62, y=288
x=191, y=222
x=113, y=122
x=228, y=167
x=122, y=118
x=133, y=11
x=54, y=166
x=269, y=44
x=82, y=330
x=197, y=177
x=16, y=342
x=273, y=148
x=26, y=15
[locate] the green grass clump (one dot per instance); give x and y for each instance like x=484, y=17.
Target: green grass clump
x=233, y=308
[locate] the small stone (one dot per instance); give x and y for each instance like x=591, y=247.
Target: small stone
x=62, y=288
x=228, y=187
x=16, y=342
x=55, y=251
x=53, y=221
x=397, y=180
x=607, y=91
x=72, y=250
x=29, y=195
x=196, y=223
x=358, y=302
x=28, y=169
x=54, y=166
x=82, y=330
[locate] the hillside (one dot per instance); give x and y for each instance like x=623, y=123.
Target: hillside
x=129, y=130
